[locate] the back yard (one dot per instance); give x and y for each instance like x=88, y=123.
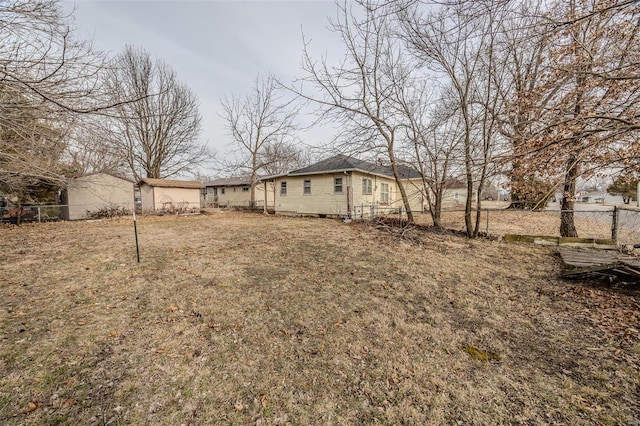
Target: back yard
x=251, y=319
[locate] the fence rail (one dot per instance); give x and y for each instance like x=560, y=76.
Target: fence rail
x=619, y=223
x=40, y=213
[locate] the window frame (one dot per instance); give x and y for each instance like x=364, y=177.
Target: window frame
x=367, y=186
x=306, y=187
x=335, y=185
x=283, y=188
x=384, y=193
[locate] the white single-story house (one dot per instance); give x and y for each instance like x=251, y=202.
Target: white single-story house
x=591, y=196
x=88, y=194
x=346, y=187
x=163, y=195
x=236, y=192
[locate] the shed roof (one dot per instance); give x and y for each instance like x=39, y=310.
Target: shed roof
x=344, y=163
x=166, y=183
x=229, y=181
x=88, y=175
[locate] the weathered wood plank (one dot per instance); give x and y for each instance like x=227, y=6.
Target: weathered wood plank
x=579, y=262
x=549, y=240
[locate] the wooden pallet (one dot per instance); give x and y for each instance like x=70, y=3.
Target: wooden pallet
x=581, y=262
x=600, y=243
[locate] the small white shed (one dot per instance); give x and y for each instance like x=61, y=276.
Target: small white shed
x=90, y=193
x=163, y=195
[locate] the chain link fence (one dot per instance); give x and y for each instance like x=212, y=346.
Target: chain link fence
x=41, y=213
x=57, y=212
x=619, y=223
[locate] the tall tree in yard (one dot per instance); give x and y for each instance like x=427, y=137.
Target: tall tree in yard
x=587, y=103
x=625, y=185
x=362, y=92
x=457, y=43
x=263, y=127
x=434, y=134
x=523, y=49
x=157, y=134
x=31, y=153
x=47, y=78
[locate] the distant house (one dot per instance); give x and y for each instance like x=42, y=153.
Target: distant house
x=169, y=195
x=454, y=192
x=344, y=186
x=595, y=195
x=90, y=193
x=236, y=192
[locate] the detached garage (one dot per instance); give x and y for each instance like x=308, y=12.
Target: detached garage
x=171, y=196
x=90, y=193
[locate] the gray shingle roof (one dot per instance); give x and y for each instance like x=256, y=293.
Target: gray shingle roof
x=344, y=163
x=229, y=181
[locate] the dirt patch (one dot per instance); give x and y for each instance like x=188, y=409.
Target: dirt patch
x=250, y=319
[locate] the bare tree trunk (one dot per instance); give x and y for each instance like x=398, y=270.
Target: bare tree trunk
x=254, y=179
x=436, y=215
x=403, y=191
x=567, y=223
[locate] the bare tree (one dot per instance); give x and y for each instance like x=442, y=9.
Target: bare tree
x=46, y=77
x=456, y=43
x=262, y=125
x=157, y=134
x=362, y=92
x=31, y=151
x=283, y=157
x=89, y=150
x=433, y=139
x=587, y=102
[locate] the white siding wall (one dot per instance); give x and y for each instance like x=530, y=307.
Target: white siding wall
x=146, y=194
x=242, y=198
x=323, y=199
x=412, y=188
x=164, y=197
x=93, y=192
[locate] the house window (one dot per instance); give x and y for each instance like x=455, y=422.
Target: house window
x=222, y=191
x=307, y=187
x=245, y=189
x=337, y=185
x=366, y=187
x=384, y=193
x=234, y=189
x=283, y=188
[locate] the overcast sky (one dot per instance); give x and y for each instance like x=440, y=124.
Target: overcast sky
x=216, y=47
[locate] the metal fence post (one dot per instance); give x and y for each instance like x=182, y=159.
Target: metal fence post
x=614, y=224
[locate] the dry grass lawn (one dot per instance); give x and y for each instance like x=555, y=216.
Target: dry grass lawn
x=251, y=319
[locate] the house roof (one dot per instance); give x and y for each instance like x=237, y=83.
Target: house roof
x=453, y=183
x=102, y=173
x=230, y=181
x=344, y=163
x=166, y=183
